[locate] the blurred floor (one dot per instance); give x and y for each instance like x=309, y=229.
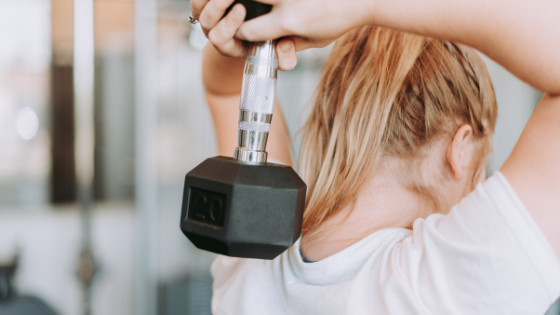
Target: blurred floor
x=49, y=239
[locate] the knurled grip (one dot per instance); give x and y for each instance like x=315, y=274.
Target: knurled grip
x=257, y=94
x=257, y=102
x=259, y=79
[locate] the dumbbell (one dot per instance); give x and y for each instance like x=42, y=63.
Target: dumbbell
x=243, y=206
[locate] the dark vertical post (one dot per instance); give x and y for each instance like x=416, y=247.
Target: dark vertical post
x=63, y=175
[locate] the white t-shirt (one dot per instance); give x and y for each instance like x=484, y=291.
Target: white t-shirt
x=487, y=256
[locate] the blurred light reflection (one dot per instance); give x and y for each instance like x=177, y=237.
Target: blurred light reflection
x=197, y=40
x=27, y=123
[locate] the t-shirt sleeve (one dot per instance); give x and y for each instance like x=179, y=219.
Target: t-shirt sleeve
x=487, y=256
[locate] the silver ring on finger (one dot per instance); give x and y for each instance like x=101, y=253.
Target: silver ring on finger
x=192, y=20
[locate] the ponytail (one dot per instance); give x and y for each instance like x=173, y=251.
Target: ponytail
x=381, y=93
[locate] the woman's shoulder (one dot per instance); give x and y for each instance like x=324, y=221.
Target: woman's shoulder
x=224, y=267
x=489, y=213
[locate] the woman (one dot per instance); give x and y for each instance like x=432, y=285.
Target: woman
x=399, y=217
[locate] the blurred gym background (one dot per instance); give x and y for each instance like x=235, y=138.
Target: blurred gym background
x=102, y=113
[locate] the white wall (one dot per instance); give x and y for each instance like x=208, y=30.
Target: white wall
x=516, y=102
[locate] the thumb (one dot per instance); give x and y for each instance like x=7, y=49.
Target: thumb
x=301, y=43
x=287, y=58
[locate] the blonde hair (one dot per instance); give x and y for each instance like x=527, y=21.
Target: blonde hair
x=386, y=93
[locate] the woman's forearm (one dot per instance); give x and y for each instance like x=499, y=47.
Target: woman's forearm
x=522, y=36
x=222, y=76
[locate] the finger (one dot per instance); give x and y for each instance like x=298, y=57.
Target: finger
x=213, y=13
x=197, y=6
x=302, y=43
x=272, y=2
x=222, y=35
x=287, y=58
x=259, y=29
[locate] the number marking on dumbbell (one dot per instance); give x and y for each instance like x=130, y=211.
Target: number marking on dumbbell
x=206, y=207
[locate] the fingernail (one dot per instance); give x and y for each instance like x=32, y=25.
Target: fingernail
x=285, y=48
x=237, y=11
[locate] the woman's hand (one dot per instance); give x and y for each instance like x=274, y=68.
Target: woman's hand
x=309, y=23
x=221, y=32
x=522, y=36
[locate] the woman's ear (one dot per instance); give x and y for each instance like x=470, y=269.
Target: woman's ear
x=460, y=151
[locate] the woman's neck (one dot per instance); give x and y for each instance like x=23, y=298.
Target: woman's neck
x=381, y=203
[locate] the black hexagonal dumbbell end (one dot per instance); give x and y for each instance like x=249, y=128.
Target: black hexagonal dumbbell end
x=242, y=210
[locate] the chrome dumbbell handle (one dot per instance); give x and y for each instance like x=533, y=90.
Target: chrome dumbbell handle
x=257, y=102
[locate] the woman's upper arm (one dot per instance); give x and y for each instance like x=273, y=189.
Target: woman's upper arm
x=486, y=256
x=533, y=168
